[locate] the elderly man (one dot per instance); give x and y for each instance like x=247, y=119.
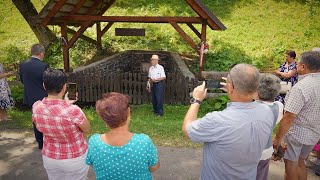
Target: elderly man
x=156, y=78
x=31, y=75
x=235, y=137
x=300, y=125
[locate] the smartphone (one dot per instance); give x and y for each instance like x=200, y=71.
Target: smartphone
x=213, y=84
x=72, y=91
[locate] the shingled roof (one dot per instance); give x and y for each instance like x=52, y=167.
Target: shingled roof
x=75, y=12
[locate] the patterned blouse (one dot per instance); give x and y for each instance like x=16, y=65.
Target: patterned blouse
x=6, y=100
x=293, y=66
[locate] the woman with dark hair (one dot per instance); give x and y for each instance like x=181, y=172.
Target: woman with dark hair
x=287, y=72
x=6, y=100
x=119, y=153
x=63, y=125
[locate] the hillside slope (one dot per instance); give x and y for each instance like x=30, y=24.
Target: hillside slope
x=258, y=31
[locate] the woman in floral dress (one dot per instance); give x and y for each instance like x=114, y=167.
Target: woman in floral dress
x=6, y=100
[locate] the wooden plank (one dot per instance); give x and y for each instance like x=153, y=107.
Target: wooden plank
x=99, y=36
x=75, y=36
x=105, y=29
x=99, y=84
x=82, y=80
x=77, y=7
x=194, y=29
x=82, y=36
x=103, y=82
x=136, y=19
x=106, y=7
x=185, y=36
x=130, y=32
x=140, y=86
x=92, y=82
x=134, y=92
x=53, y=12
x=130, y=88
x=87, y=85
x=65, y=49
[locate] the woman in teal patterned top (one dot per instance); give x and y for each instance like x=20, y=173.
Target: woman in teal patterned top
x=120, y=154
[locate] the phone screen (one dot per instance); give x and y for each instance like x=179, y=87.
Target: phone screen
x=213, y=84
x=72, y=91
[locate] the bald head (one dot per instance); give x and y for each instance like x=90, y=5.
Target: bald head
x=245, y=78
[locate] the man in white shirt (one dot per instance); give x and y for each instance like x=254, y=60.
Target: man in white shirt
x=156, y=78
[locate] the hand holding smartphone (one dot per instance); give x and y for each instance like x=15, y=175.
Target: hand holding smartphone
x=213, y=84
x=72, y=91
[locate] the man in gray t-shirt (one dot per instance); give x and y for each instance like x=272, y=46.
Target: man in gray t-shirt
x=235, y=137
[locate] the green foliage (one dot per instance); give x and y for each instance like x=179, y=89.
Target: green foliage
x=13, y=55
x=214, y=104
x=17, y=94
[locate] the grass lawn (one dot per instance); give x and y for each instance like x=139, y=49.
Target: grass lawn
x=257, y=32
x=165, y=131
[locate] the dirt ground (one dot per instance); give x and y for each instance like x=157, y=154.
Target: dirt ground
x=20, y=159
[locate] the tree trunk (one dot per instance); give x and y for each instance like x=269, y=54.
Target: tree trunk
x=29, y=12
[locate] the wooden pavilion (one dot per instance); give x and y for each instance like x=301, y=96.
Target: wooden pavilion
x=86, y=13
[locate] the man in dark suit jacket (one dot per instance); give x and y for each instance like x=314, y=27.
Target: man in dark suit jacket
x=31, y=75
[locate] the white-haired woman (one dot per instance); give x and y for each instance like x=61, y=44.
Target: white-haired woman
x=269, y=87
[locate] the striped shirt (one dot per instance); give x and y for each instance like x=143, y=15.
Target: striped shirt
x=304, y=101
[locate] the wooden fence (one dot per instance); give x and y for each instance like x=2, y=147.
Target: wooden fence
x=93, y=83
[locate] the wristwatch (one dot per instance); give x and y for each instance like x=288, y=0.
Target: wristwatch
x=194, y=100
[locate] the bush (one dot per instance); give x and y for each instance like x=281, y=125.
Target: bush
x=13, y=55
x=17, y=94
x=214, y=104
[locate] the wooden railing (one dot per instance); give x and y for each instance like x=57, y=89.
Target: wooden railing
x=93, y=83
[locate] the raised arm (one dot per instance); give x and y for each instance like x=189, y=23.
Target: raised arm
x=199, y=93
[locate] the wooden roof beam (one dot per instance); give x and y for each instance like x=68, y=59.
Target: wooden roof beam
x=194, y=30
x=108, y=26
x=77, y=7
x=78, y=33
x=184, y=35
x=135, y=19
x=106, y=7
x=84, y=37
x=53, y=12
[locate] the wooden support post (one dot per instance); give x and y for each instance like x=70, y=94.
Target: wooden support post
x=203, y=42
x=99, y=36
x=65, y=48
x=184, y=35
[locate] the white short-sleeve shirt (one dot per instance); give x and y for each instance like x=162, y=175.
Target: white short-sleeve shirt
x=156, y=72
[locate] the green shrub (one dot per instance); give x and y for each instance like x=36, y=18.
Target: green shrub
x=214, y=104
x=13, y=55
x=17, y=94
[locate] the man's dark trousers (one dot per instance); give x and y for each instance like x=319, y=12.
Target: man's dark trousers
x=157, y=97
x=38, y=135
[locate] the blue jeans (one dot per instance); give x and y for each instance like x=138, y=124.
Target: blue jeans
x=157, y=97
